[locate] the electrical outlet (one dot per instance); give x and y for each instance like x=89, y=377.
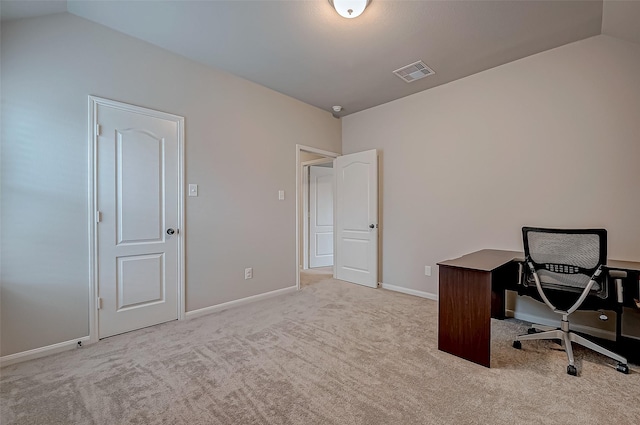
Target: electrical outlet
x=427, y=270
x=248, y=273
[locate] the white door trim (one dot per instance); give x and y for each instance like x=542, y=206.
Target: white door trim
x=310, y=149
x=305, y=217
x=94, y=101
x=318, y=161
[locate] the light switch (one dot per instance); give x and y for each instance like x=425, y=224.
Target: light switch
x=281, y=195
x=193, y=190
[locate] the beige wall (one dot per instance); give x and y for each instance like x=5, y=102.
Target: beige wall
x=549, y=140
x=240, y=150
x=621, y=18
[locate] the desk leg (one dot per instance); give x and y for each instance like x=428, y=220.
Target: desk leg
x=464, y=314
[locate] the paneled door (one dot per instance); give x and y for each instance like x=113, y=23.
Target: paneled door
x=357, y=218
x=137, y=185
x=320, y=216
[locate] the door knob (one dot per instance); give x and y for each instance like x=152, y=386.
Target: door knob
x=170, y=231
x=372, y=226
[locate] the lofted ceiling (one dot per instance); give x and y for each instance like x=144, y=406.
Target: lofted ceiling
x=304, y=49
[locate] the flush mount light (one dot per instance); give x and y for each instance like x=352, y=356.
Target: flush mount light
x=350, y=8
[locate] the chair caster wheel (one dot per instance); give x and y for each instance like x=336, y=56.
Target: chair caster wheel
x=623, y=368
x=532, y=331
x=571, y=370
x=517, y=345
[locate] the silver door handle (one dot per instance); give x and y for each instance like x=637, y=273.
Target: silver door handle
x=170, y=231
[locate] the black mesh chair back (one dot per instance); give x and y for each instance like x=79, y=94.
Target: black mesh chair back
x=566, y=259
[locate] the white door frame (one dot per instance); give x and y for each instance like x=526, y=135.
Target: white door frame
x=94, y=101
x=305, y=207
x=299, y=185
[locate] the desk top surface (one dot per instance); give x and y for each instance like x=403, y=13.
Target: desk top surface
x=623, y=265
x=484, y=260
x=490, y=259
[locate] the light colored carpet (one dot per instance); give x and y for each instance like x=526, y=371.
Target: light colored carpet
x=332, y=353
x=312, y=276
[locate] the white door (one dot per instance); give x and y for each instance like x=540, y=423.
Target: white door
x=357, y=218
x=138, y=198
x=320, y=216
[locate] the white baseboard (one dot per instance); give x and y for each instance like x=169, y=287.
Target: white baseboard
x=596, y=332
x=408, y=291
x=235, y=303
x=71, y=344
x=42, y=351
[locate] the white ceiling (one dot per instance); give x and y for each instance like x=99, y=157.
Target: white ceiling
x=304, y=49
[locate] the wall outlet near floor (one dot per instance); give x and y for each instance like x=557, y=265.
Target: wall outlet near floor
x=427, y=270
x=248, y=273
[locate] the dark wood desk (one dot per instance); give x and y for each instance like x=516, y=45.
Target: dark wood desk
x=472, y=291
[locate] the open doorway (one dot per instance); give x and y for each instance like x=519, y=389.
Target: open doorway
x=308, y=160
x=355, y=214
x=317, y=214
x=317, y=221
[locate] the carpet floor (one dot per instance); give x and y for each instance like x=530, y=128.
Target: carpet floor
x=331, y=353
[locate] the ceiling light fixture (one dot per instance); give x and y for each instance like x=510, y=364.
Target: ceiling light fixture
x=350, y=8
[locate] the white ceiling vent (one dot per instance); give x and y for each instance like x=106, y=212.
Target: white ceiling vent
x=413, y=72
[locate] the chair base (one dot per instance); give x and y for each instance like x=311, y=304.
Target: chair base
x=566, y=338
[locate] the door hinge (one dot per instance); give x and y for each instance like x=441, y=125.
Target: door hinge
x=98, y=216
x=98, y=130
x=99, y=303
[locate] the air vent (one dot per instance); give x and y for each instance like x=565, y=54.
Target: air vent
x=414, y=72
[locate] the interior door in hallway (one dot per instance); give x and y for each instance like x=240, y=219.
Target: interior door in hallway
x=356, y=255
x=320, y=216
x=138, y=199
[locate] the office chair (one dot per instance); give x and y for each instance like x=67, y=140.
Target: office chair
x=566, y=266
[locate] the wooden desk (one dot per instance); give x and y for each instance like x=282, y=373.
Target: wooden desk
x=471, y=292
